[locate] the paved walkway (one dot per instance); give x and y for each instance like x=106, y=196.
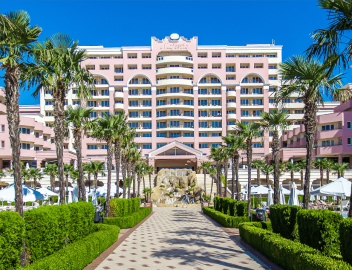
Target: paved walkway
x=180, y=238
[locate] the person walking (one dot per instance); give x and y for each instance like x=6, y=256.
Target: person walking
x=185, y=201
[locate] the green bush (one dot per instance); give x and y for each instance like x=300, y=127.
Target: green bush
x=78, y=255
x=319, y=229
x=284, y=219
x=230, y=207
x=124, y=207
x=288, y=254
x=129, y=221
x=266, y=225
x=225, y=220
x=345, y=239
x=241, y=208
x=11, y=238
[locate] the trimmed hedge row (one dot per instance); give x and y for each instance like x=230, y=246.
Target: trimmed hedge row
x=284, y=220
x=288, y=254
x=124, y=207
x=320, y=230
x=225, y=220
x=79, y=254
x=230, y=207
x=11, y=238
x=130, y=220
x=51, y=228
x=266, y=225
x=346, y=239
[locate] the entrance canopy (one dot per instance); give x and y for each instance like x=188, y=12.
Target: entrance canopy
x=175, y=150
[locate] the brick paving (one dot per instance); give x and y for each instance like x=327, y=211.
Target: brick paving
x=180, y=238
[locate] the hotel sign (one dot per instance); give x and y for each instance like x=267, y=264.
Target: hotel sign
x=174, y=46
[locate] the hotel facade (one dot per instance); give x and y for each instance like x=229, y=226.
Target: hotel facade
x=180, y=97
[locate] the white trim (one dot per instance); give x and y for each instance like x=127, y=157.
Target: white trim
x=176, y=143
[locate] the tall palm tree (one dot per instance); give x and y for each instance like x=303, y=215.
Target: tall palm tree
x=301, y=166
x=104, y=129
x=140, y=172
x=248, y=131
x=334, y=40
x=275, y=122
x=267, y=170
x=121, y=128
x=212, y=172
x=340, y=169
x=291, y=168
x=205, y=165
x=216, y=154
x=149, y=170
x=74, y=174
x=135, y=159
x=225, y=153
x=235, y=144
x=311, y=80
x=35, y=174
x=258, y=164
x=51, y=170
x=16, y=41
x=97, y=167
x=329, y=164
x=126, y=142
x=67, y=169
x=131, y=155
x=320, y=165
x=87, y=167
x=79, y=120
x=57, y=67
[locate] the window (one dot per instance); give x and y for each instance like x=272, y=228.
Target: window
x=271, y=100
x=105, y=103
x=147, y=146
x=174, y=90
x=160, y=145
x=271, y=55
x=214, y=80
x=348, y=125
x=202, y=91
x=287, y=100
x=174, y=101
x=133, y=114
x=244, y=102
x=272, y=78
x=203, y=80
x=104, y=146
x=230, y=78
x=203, y=124
x=2, y=128
x=230, y=69
x=270, y=134
x=244, y=113
x=25, y=146
x=188, y=91
x=257, y=113
x=327, y=127
x=257, y=91
x=133, y=92
x=2, y=144
x=104, y=92
x=257, y=102
x=133, y=125
x=145, y=81
x=189, y=144
x=215, y=145
x=174, y=112
x=93, y=114
x=103, y=114
x=215, y=113
x=37, y=148
x=133, y=103
x=231, y=112
x=119, y=70
x=216, y=124
x=272, y=66
x=146, y=55
x=174, y=123
x=188, y=124
x=203, y=145
x=160, y=102
x=188, y=113
x=203, y=134
x=75, y=102
x=147, y=135
x=257, y=145
x=349, y=141
x=25, y=131
x=48, y=103
x=215, y=91
x=161, y=114
x=188, y=102
x=244, y=91
x=37, y=134
x=147, y=125
x=103, y=81
x=147, y=92
x=92, y=146
x=175, y=135
x=146, y=67
x=147, y=114
x=160, y=91
x=48, y=92
x=216, y=102
x=272, y=89
x=257, y=55
x=147, y=103
x=189, y=134
x=161, y=135
x=161, y=125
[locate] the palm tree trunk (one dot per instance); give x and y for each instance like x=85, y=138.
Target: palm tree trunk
x=144, y=186
x=67, y=183
x=205, y=187
x=211, y=187
x=233, y=177
x=134, y=178
x=236, y=164
x=321, y=177
x=117, y=160
x=89, y=179
x=109, y=163
x=302, y=179
x=258, y=176
x=78, y=147
x=96, y=180
x=276, y=158
x=139, y=186
x=249, y=164
x=124, y=175
x=292, y=177
x=129, y=179
x=13, y=119
x=267, y=180
x=59, y=129
x=150, y=185
x=310, y=123
x=225, y=171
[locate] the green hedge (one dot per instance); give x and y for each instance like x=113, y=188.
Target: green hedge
x=124, y=207
x=50, y=228
x=345, y=239
x=11, y=238
x=319, y=229
x=266, y=225
x=130, y=220
x=288, y=254
x=230, y=207
x=79, y=254
x=284, y=220
x=225, y=220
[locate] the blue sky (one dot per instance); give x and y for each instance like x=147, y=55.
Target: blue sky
x=117, y=23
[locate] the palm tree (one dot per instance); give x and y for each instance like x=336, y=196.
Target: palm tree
x=126, y=142
x=267, y=169
x=74, y=174
x=16, y=39
x=79, y=118
x=275, y=122
x=104, y=129
x=67, y=169
x=234, y=145
x=329, y=164
x=149, y=170
x=340, y=169
x=248, y=131
x=121, y=128
x=258, y=164
x=57, y=66
x=212, y=172
x=301, y=166
x=334, y=40
x=140, y=173
x=87, y=167
x=320, y=165
x=205, y=167
x=35, y=174
x=97, y=167
x=2, y=174
x=51, y=170
x=216, y=154
x=226, y=153
x=311, y=80
x=291, y=168
x=131, y=156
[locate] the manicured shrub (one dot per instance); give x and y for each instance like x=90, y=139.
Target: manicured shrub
x=345, y=239
x=288, y=254
x=230, y=207
x=319, y=229
x=78, y=255
x=11, y=238
x=241, y=208
x=124, y=207
x=131, y=220
x=225, y=220
x=266, y=225
x=284, y=219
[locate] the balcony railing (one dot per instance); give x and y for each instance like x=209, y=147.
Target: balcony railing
x=172, y=126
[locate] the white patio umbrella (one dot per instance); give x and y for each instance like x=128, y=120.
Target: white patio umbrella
x=68, y=188
x=245, y=193
x=69, y=200
x=29, y=194
x=293, y=200
x=323, y=198
x=340, y=187
x=259, y=190
x=270, y=196
x=94, y=197
x=282, y=195
x=47, y=192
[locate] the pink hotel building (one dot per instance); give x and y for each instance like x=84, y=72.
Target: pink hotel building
x=180, y=97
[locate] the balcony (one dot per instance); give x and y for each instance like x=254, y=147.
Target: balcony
x=172, y=127
x=329, y=134
x=175, y=106
x=174, y=59
x=139, y=96
x=140, y=118
x=169, y=116
x=328, y=150
x=231, y=93
x=162, y=82
x=118, y=106
x=231, y=116
x=118, y=94
x=231, y=105
x=181, y=93
x=174, y=70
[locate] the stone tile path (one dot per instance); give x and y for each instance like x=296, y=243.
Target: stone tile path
x=180, y=238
